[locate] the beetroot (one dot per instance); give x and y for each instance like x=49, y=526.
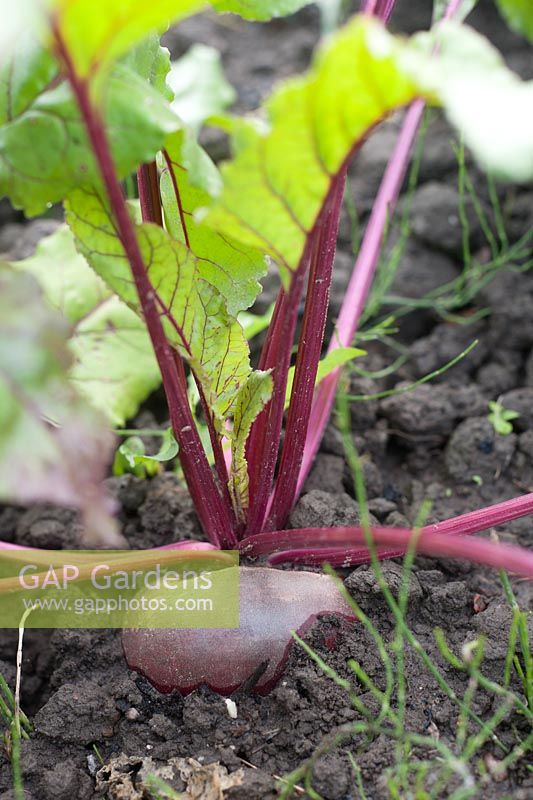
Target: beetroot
x=273, y=603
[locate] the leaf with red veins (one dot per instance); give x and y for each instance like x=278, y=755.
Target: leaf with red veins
x=53, y=447
x=44, y=150
x=276, y=185
x=188, y=180
x=273, y=603
x=194, y=312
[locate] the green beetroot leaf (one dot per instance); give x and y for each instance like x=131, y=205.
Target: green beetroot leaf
x=519, y=15
x=188, y=180
x=24, y=77
x=98, y=32
x=276, y=185
x=44, y=152
x=114, y=366
x=53, y=447
x=194, y=311
x=251, y=399
x=199, y=85
x=152, y=62
x=131, y=456
x=489, y=104
x=260, y=9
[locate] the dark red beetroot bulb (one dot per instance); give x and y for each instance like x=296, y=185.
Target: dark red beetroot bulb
x=273, y=603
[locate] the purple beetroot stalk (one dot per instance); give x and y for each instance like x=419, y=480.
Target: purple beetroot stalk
x=255, y=443
x=360, y=283
x=346, y=546
x=309, y=350
x=311, y=339
x=499, y=556
x=213, y=512
x=266, y=431
x=365, y=265
x=270, y=356
x=263, y=443
x=262, y=449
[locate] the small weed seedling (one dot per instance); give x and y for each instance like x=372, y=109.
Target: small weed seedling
x=501, y=418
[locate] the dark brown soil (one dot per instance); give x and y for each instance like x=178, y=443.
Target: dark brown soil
x=434, y=442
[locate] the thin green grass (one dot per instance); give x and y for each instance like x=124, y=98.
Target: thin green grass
x=475, y=275
x=424, y=768
x=523, y=662
x=425, y=379
x=17, y=728
x=448, y=300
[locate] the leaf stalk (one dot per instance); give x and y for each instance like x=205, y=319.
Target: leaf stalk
x=214, y=515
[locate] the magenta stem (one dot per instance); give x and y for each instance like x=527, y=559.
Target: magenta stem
x=214, y=515
x=360, y=283
x=216, y=443
x=266, y=431
x=363, y=272
x=485, y=518
x=499, y=556
x=313, y=543
x=308, y=356
x=151, y=211
x=269, y=356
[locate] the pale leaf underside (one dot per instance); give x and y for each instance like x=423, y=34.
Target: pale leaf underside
x=114, y=367
x=53, y=447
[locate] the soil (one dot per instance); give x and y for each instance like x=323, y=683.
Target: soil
x=434, y=442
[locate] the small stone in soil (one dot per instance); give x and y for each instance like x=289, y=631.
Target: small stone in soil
x=475, y=449
x=318, y=509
